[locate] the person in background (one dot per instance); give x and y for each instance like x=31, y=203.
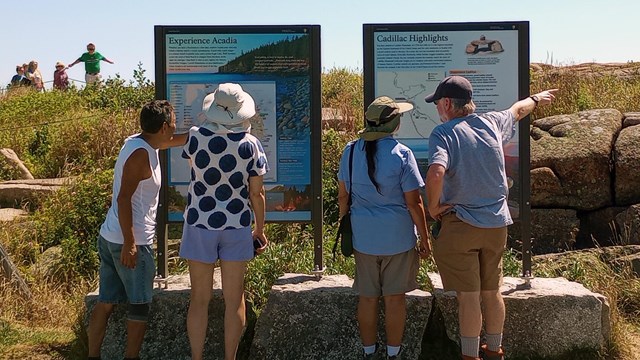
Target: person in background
x=91, y=60
x=467, y=193
x=35, y=76
x=127, y=265
x=19, y=78
x=387, y=216
x=227, y=167
x=60, y=77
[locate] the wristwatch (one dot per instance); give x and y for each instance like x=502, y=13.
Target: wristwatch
x=535, y=99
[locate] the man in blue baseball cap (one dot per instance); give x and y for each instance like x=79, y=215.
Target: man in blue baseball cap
x=467, y=194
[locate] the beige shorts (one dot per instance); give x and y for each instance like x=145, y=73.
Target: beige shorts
x=91, y=78
x=386, y=275
x=469, y=258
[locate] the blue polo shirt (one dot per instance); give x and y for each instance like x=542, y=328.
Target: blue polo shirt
x=381, y=222
x=471, y=150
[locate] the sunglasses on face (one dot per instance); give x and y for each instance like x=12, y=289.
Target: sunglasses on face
x=91, y=49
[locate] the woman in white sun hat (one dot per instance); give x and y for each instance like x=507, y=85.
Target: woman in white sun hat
x=227, y=167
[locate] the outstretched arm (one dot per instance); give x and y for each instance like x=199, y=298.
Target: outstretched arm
x=73, y=63
x=524, y=107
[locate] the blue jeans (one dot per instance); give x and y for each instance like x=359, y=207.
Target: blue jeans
x=119, y=284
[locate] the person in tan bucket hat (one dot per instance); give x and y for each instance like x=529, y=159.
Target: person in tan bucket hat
x=60, y=77
x=382, y=178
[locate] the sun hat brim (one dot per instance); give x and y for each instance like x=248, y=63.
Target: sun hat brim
x=216, y=113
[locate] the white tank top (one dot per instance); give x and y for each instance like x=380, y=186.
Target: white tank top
x=144, y=201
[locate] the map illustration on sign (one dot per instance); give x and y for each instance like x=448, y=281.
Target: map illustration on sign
x=412, y=87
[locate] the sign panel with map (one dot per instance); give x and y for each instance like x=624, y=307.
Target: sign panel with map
x=407, y=61
x=279, y=67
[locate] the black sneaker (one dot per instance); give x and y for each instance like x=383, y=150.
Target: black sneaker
x=395, y=357
x=371, y=356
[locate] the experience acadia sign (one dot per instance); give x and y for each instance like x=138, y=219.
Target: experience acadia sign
x=279, y=66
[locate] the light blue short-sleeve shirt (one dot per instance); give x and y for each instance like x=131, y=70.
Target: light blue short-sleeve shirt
x=381, y=222
x=471, y=150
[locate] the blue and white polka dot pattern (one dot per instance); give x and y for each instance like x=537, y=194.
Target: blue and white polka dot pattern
x=218, y=197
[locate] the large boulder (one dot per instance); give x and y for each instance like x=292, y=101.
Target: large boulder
x=550, y=318
x=315, y=318
x=628, y=223
x=571, y=159
x=553, y=230
x=11, y=214
x=631, y=119
x=17, y=192
x=599, y=228
x=627, y=163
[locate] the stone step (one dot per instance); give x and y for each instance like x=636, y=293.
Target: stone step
x=552, y=317
x=315, y=318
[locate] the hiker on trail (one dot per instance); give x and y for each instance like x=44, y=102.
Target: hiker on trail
x=386, y=216
x=91, y=60
x=35, y=76
x=60, y=77
x=19, y=78
x=467, y=193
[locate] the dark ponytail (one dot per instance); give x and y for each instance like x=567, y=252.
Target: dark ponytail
x=370, y=148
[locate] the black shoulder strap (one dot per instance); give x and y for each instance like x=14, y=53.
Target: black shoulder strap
x=335, y=244
x=350, y=173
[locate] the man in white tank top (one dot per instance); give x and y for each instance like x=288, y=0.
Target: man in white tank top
x=127, y=265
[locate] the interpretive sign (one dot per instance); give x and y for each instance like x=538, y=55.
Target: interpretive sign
x=407, y=61
x=279, y=66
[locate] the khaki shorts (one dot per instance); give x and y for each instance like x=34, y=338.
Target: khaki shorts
x=91, y=78
x=386, y=275
x=469, y=258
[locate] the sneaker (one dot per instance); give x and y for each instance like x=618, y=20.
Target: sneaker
x=487, y=354
x=370, y=356
x=395, y=357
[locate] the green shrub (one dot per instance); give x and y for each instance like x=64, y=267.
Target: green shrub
x=333, y=143
x=72, y=218
x=342, y=89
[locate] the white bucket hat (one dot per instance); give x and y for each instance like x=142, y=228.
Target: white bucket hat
x=229, y=106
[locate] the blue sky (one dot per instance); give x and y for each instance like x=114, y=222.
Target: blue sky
x=565, y=31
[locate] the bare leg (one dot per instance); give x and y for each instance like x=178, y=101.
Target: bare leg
x=135, y=335
x=234, y=308
x=368, y=319
x=97, y=327
x=469, y=313
x=201, y=276
x=395, y=318
x=494, y=311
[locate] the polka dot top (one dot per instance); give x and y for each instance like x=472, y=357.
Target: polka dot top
x=221, y=165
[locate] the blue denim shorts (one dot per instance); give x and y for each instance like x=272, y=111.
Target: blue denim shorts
x=119, y=284
x=208, y=246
